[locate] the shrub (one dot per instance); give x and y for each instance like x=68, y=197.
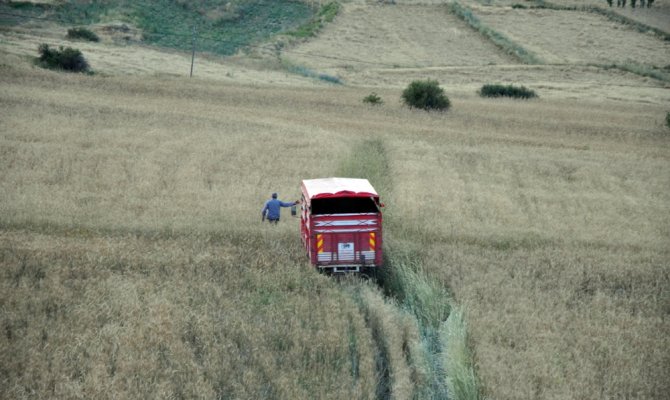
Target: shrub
x=82, y=33
x=427, y=95
x=67, y=59
x=521, y=6
x=667, y=119
x=519, y=92
x=373, y=98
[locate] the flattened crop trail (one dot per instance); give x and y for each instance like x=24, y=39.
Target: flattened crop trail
x=406, y=312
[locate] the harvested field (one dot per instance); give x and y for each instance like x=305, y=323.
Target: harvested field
x=575, y=37
x=396, y=36
x=656, y=16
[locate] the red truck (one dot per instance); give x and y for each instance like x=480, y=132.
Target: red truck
x=341, y=224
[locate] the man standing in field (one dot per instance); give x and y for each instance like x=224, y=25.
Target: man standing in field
x=272, y=209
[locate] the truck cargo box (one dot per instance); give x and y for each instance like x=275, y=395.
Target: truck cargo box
x=341, y=224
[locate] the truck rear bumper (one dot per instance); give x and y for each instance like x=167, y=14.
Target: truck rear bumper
x=344, y=268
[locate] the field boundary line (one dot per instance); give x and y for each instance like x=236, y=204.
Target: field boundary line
x=500, y=40
x=637, y=69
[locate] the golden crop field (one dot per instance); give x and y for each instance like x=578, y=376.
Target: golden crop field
x=134, y=264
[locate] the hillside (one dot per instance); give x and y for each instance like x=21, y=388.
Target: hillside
x=224, y=26
x=134, y=263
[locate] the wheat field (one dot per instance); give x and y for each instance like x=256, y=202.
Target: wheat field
x=134, y=260
x=134, y=264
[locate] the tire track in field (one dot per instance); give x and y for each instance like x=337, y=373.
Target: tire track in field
x=405, y=314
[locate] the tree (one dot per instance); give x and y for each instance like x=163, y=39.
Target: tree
x=427, y=95
x=67, y=59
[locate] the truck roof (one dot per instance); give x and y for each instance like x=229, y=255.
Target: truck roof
x=337, y=187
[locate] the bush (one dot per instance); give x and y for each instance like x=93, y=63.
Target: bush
x=667, y=119
x=67, y=59
x=521, y=6
x=373, y=98
x=519, y=92
x=82, y=33
x=427, y=95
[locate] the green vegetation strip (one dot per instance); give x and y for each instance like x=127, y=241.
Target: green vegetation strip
x=639, y=69
x=500, y=40
x=404, y=281
x=461, y=379
x=308, y=73
x=325, y=15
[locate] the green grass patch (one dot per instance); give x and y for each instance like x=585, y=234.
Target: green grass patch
x=26, y=5
x=18, y=12
x=325, y=15
x=497, y=90
x=404, y=279
x=83, y=34
x=373, y=99
x=368, y=161
x=500, y=40
x=223, y=27
x=462, y=379
x=308, y=73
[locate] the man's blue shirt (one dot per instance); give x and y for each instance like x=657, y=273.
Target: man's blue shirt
x=272, y=207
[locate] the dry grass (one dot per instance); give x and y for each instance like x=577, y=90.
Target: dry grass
x=110, y=58
x=657, y=16
x=134, y=263
x=402, y=43
x=553, y=231
x=130, y=207
x=157, y=318
x=575, y=37
x=401, y=36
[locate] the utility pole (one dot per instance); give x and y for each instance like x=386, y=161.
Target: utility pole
x=193, y=53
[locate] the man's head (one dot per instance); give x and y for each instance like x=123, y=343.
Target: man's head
x=274, y=195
